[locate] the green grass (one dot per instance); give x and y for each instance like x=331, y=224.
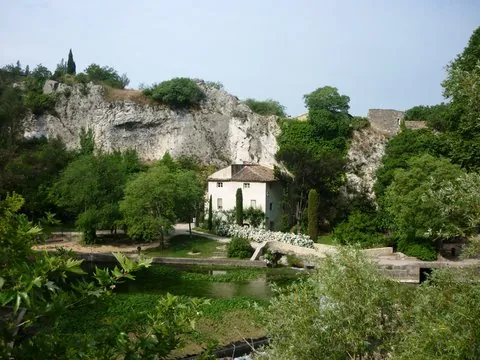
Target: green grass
x=203, y=230
x=182, y=246
x=326, y=239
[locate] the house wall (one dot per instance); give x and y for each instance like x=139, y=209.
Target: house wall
x=262, y=193
x=273, y=196
x=229, y=189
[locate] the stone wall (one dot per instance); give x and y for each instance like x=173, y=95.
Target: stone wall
x=385, y=120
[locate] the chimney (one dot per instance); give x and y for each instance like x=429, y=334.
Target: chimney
x=236, y=168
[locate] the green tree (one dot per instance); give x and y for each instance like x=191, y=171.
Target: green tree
x=327, y=98
x=266, y=107
x=90, y=188
x=415, y=218
x=12, y=111
x=71, y=67
x=345, y=309
x=32, y=284
x=189, y=196
x=443, y=322
x=106, y=75
x=239, y=207
x=314, y=151
x=210, y=214
x=177, y=93
x=149, y=204
x=313, y=214
x=30, y=170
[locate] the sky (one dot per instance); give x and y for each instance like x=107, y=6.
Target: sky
x=381, y=53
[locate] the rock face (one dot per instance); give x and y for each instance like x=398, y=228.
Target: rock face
x=364, y=156
x=222, y=130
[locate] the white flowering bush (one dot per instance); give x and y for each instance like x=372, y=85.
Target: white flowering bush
x=262, y=235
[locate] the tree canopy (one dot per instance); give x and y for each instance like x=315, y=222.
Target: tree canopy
x=266, y=107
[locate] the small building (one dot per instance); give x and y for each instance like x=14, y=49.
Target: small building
x=260, y=189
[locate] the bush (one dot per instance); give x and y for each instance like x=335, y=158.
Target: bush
x=267, y=107
x=254, y=216
x=262, y=235
x=360, y=228
x=177, y=93
x=422, y=251
x=107, y=76
x=239, y=248
x=360, y=122
x=39, y=103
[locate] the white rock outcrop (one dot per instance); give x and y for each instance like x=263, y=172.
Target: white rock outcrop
x=221, y=131
x=365, y=153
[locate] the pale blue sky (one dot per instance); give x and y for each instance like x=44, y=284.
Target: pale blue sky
x=383, y=54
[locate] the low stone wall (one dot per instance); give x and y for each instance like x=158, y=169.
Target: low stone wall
x=402, y=273
x=384, y=251
x=108, y=258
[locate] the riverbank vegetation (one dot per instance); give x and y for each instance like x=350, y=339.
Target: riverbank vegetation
x=420, y=170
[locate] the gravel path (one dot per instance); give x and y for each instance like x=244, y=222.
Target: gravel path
x=72, y=242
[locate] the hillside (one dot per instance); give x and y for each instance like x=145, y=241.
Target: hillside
x=222, y=130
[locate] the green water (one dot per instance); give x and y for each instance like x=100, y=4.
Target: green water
x=209, y=282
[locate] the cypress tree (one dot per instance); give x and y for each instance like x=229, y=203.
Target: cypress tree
x=313, y=214
x=71, y=67
x=210, y=214
x=239, y=207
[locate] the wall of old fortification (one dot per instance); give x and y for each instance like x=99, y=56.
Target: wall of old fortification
x=385, y=120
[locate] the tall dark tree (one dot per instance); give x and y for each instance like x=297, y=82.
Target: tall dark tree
x=313, y=214
x=210, y=214
x=239, y=207
x=71, y=67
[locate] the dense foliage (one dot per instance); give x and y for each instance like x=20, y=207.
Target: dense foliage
x=240, y=248
x=266, y=107
x=156, y=198
x=348, y=309
x=71, y=66
x=239, y=207
x=44, y=288
x=313, y=214
x=106, y=75
x=178, y=93
x=313, y=151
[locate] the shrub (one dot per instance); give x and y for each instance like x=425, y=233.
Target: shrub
x=254, y=216
x=267, y=107
x=313, y=214
x=262, y=235
x=177, y=93
x=39, y=103
x=360, y=228
x=215, y=84
x=422, y=251
x=107, y=76
x=240, y=248
x=360, y=122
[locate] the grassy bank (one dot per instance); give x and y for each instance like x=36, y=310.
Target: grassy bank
x=186, y=246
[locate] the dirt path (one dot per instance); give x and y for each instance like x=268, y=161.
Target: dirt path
x=73, y=243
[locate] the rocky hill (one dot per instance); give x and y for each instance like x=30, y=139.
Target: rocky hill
x=221, y=131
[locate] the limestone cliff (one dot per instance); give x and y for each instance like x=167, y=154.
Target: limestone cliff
x=221, y=131
x=365, y=153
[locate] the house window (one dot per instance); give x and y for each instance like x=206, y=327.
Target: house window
x=253, y=203
x=246, y=185
x=271, y=206
x=219, y=184
x=219, y=203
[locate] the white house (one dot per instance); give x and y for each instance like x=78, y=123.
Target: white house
x=259, y=186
